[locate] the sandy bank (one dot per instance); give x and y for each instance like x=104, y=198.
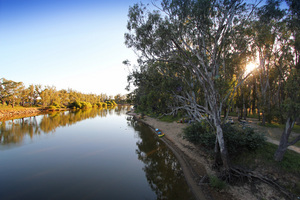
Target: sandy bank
x=11, y=114
x=193, y=162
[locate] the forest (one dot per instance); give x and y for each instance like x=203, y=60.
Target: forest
x=14, y=93
x=211, y=59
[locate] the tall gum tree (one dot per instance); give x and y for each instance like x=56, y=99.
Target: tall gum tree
x=289, y=67
x=199, y=37
x=265, y=46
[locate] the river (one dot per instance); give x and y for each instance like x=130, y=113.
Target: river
x=86, y=154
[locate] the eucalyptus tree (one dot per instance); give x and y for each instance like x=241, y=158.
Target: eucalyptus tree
x=73, y=95
x=265, y=47
x=289, y=68
x=120, y=99
x=23, y=96
x=49, y=95
x=64, y=97
x=290, y=110
x=11, y=91
x=153, y=93
x=200, y=38
x=31, y=94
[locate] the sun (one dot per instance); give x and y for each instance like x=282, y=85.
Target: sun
x=250, y=67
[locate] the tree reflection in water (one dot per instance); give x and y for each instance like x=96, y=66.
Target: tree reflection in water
x=14, y=131
x=162, y=169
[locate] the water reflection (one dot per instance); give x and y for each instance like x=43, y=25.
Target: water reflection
x=104, y=157
x=162, y=169
x=14, y=131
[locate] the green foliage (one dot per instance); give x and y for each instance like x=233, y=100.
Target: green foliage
x=200, y=133
x=170, y=118
x=85, y=105
x=15, y=93
x=55, y=104
x=110, y=103
x=264, y=156
x=153, y=94
x=242, y=139
x=104, y=105
x=236, y=139
x=80, y=105
x=52, y=107
x=75, y=104
x=295, y=129
x=216, y=183
x=101, y=105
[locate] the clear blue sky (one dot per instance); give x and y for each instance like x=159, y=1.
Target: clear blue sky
x=76, y=44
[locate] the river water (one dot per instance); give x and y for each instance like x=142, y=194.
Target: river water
x=86, y=154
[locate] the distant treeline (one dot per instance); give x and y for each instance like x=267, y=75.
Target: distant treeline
x=15, y=93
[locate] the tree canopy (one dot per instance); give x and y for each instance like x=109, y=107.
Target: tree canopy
x=193, y=56
x=15, y=93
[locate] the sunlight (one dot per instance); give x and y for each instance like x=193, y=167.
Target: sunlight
x=250, y=67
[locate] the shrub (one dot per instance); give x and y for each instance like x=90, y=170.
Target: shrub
x=75, y=104
x=104, y=105
x=55, y=104
x=242, y=139
x=235, y=138
x=99, y=104
x=216, y=183
x=85, y=105
x=80, y=105
x=52, y=108
x=111, y=103
x=200, y=133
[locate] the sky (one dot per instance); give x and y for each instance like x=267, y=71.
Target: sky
x=77, y=44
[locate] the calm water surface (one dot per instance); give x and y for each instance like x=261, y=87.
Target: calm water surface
x=91, y=154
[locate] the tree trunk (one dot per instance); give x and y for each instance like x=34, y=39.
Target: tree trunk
x=218, y=158
x=222, y=146
x=278, y=156
x=242, y=112
x=245, y=111
x=283, y=144
x=258, y=113
x=263, y=122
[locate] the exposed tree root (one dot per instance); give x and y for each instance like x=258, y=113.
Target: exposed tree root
x=237, y=174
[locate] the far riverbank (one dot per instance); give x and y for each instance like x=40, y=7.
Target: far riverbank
x=7, y=114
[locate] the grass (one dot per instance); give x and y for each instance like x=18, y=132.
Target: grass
x=252, y=116
x=216, y=183
x=234, y=114
x=262, y=159
x=295, y=129
x=264, y=156
x=170, y=118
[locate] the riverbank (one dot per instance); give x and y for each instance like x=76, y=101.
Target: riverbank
x=197, y=165
x=7, y=114
x=194, y=163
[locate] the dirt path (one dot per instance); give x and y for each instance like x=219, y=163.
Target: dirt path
x=272, y=134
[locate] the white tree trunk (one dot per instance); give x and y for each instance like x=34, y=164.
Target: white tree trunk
x=284, y=140
x=221, y=142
